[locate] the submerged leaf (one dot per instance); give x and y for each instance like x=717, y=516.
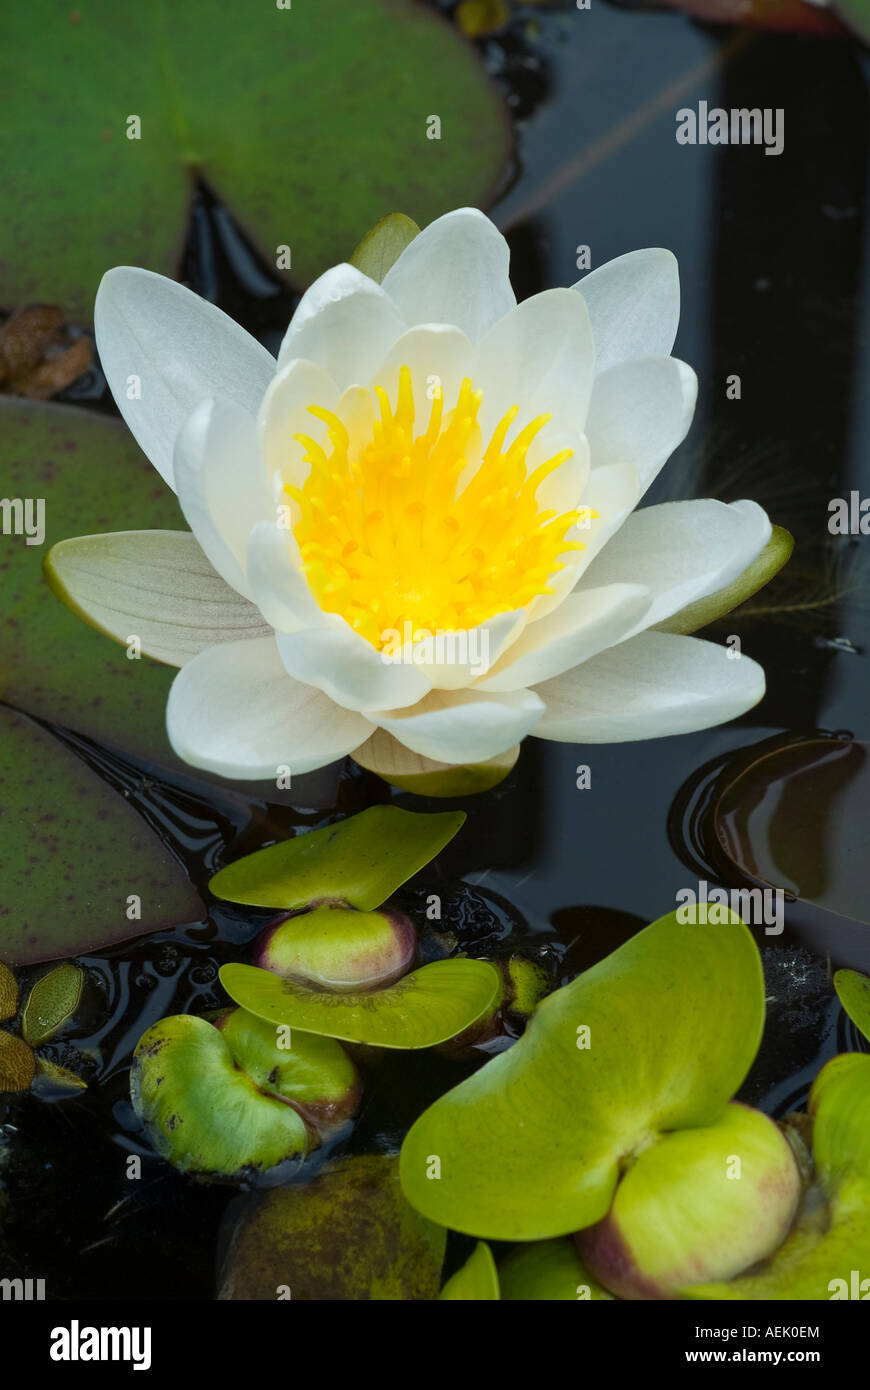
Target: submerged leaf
x=421, y=1010
x=360, y=860
x=349, y=1235
x=656, y=1037
x=53, y=999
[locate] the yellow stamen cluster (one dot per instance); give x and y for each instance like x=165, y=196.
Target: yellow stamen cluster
x=385, y=539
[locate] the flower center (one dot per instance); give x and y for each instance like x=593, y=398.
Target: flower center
x=387, y=537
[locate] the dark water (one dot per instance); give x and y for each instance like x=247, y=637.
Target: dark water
x=773, y=261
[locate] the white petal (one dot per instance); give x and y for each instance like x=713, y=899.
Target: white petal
x=634, y=304
x=437, y=355
x=639, y=413
x=541, y=357
x=182, y=350
x=235, y=711
x=156, y=586
x=384, y=755
x=284, y=413
x=574, y=632
x=278, y=586
x=222, y=485
x=682, y=551
x=562, y=490
x=349, y=669
x=462, y=726
x=455, y=271
x=452, y=660
x=611, y=492
x=654, y=685
x=345, y=323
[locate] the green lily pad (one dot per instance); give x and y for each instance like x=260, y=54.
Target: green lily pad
x=349, y=1235
x=307, y=122
x=53, y=1000
x=211, y=1106
x=532, y=1144
x=477, y=1279
x=74, y=853
x=8, y=993
x=383, y=245
x=315, y=1073
x=421, y=1010
x=831, y=1237
x=853, y=991
x=548, y=1270
x=706, y=610
x=360, y=861
x=93, y=477
x=17, y=1063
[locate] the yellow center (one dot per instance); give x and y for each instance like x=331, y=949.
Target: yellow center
x=387, y=538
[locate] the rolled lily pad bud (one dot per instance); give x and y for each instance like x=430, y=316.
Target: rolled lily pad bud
x=229, y=1103
x=334, y=947
x=524, y=984
x=698, y=1205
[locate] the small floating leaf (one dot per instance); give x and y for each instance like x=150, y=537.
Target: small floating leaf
x=349, y=1235
x=706, y=610
x=53, y=999
x=656, y=1037
x=383, y=245
x=17, y=1063
x=425, y=1008
x=8, y=993
x=853, y=991
x=550, y=1270
x=60, y=1077
x=476, y=1280
x=361, y=860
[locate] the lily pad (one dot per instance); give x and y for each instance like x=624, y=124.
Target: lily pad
x=360, y=860
x=853, y=991
x=284, y=111
x=349, y=1235
x=53, y=999
x=74, y=855
x=548, y=1270
x=92, y=477
x=656, y=1037
x=831, y=1237
x=421, y=1010
x=477, y=1279
x=220, y=1103
x=716, y=605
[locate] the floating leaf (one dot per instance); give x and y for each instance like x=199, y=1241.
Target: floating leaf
x=53, y=999
x=829, y=1241
x=853, y=991
x=706, y=610
x=360, y=860
x=532, y=1144
x=17, y=1063
x=8, y=993
x=219, y=1103
x=476, y=1280
x=383, y=245
x=73, y=852
x=425, y=1008
x=349, y=1235
x=548, y=1269
x=59, y=1078
x=411, y=772
x=285, y=113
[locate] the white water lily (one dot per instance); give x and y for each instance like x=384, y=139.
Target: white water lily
x=424, y=451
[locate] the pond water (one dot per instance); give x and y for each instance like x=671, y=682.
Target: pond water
x=773, y=254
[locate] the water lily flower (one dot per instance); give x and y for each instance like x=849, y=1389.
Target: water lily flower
x=426, y=458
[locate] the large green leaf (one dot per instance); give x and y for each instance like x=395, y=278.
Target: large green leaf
x=348, y=1236
x=310, y=122
x=548, y=1270
x=72, y=853
x=531, y=1145
x=423, y=1009
x=92, y=477
x=360, y=860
